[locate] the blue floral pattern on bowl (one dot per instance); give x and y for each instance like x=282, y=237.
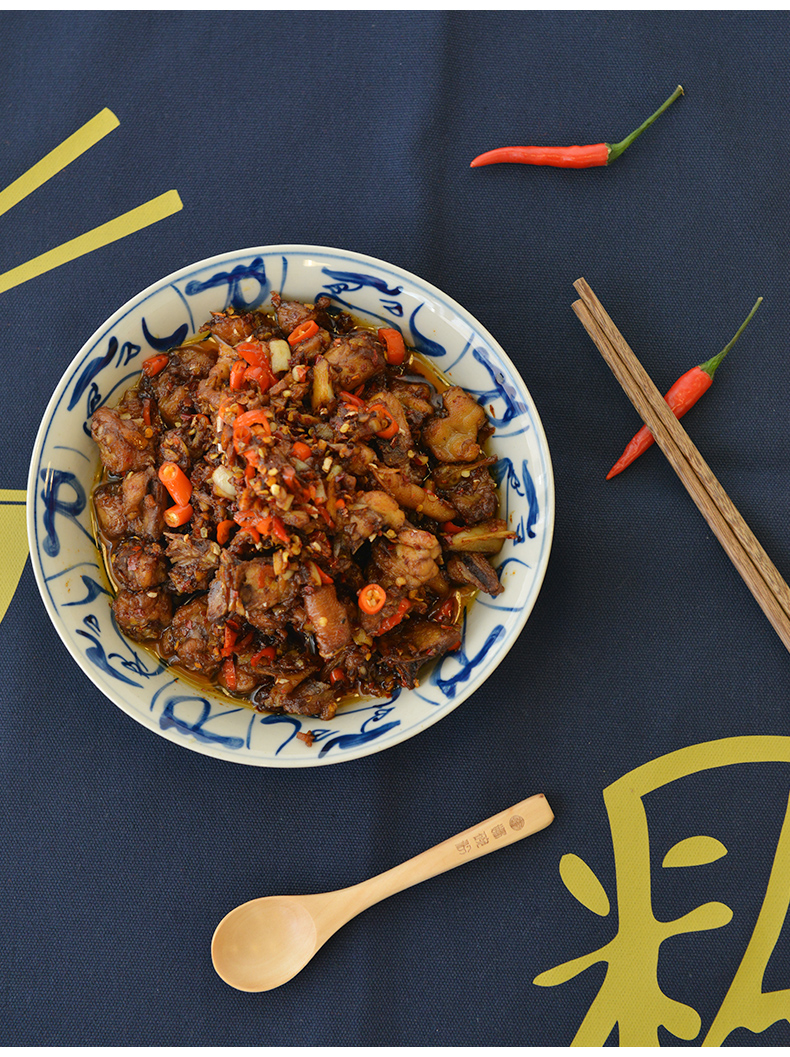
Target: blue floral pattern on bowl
x=65, y=461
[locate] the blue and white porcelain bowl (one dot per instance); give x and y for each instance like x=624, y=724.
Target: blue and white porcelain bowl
x=65, y=461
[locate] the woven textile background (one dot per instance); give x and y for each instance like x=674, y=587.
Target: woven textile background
x=120, y=851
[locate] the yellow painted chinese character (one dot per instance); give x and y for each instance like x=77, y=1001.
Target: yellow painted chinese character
x=630, y=997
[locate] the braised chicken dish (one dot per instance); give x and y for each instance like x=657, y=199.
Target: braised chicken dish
x=292, y=507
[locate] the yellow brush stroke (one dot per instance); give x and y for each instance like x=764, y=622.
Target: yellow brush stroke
x=57, y=159
x=631, y=996
x=126, y=224
x=746, y=1004
x=583, y=885
x=694, y=851
x=13, y=539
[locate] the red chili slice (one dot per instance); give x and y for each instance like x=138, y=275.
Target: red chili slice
x=372, y=598
x=302, y=332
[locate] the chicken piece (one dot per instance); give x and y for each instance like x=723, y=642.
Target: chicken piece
x=143, y=615
x=196, y=359
x=134, y=506
x=413, y=643
x=250, y=589
x=209, y=393
x=289, y=669
x=395, y=450
x=453, y=437
x=261, y=592
x=329, y=618
x=355, y=358
x=422, y=639
x=172, y=389
x=186, y=443
x=193, y=562
x=231, y=328
x=371, y=512
x=243, y=680
x=408, y=563
x=124, y=443
x=309, y=349
x=357, y=458
x=191, y=640
x=412, y=496
x=289, y=314
x=415, y=399
x=173, y=448
x=476, y=570
x=198, y=435
x=310, y=697
x=138, y=567
x=144, y=499
x=469, y=487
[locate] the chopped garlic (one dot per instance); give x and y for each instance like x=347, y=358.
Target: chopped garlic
x=280, y=352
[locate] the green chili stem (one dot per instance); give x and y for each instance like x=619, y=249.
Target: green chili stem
x=616, y=149
x=709, y=367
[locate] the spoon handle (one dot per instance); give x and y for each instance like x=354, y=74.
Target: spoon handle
x=515, y=823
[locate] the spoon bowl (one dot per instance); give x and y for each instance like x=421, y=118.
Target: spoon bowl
x=265, y=942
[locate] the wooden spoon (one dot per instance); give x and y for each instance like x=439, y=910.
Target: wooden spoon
x=265, y=942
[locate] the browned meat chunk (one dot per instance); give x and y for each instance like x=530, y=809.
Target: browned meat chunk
x=186, y=443
x=310, y=698
x=355, y=358
x=240, y=679
x=470, y=488
x=250, y=589
x=290, y=669
x=408, y=563
x=191, y=640
x=223, y=593
x=357, y=458
x=476, y=570
x=290, y=314
x=411, y=495
x=109, y=512
x=143, y=615
x=124, y=443
x=174, y=399
x=193, y=562
x=209, y=394
x=173, y=448
x=329, y=617
x=415, y=398
x=137, y=566
x=453, y=437
x=264, y=597
x=132, y=507
x=197, y=358
x=366, y=518
x=231, y=328
x=415, y=642
x=394, y=450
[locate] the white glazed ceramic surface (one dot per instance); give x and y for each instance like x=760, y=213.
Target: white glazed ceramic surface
x=65, y=461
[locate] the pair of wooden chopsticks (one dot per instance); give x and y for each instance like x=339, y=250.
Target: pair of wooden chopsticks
x=745, y=551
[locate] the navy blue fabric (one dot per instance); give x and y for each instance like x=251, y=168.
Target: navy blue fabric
x=120, y=851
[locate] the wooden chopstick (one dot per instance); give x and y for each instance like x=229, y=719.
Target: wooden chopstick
x=741, y=545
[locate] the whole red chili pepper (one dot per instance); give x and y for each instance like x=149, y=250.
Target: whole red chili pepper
x=571, y=157
x=683, y=395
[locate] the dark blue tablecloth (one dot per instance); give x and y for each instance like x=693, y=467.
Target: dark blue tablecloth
x=647, y=696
